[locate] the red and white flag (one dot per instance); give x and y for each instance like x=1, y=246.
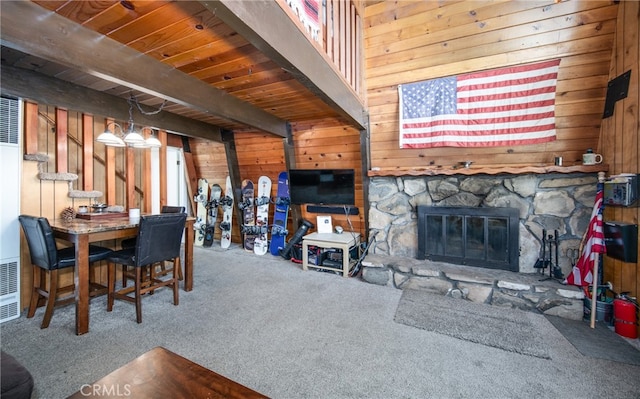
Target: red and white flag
x=582, y=273
x=499, y=107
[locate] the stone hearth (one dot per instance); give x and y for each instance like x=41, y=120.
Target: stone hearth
x=493, y=287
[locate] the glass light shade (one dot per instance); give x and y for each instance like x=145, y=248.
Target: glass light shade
x=110, y=139
x=132, y=137
x=139, y=145
x=153, y=142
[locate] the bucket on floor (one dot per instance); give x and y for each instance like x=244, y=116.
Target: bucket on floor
x=604, y=310
x=625, y=318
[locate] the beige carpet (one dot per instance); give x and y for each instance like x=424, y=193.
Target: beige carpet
x=293, y=334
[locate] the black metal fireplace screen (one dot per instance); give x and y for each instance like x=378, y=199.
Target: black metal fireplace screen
x=483, y=237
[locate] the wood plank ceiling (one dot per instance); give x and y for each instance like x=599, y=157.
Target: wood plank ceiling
x=205, y=69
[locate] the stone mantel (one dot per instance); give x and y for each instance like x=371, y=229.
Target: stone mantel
x=489, y=170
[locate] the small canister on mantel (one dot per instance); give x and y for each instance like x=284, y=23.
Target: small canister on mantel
x=557, y=161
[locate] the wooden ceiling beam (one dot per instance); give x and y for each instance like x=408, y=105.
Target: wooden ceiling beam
x=34, y=86
x=265, y=25
x=29, y=28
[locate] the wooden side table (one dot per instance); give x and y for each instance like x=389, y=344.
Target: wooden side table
x=344, y=241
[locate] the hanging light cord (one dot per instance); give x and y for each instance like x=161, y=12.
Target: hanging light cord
x=133, y=100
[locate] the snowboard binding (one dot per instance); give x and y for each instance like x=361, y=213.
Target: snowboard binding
x=213, y=204
x=226, y=201
x=254, y=230
x=262, y=201
x=281, y=201
x=277, y=230
x=245, y=204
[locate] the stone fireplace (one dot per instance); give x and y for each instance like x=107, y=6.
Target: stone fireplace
x=552, y=202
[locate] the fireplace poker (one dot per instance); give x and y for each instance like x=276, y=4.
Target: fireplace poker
x=540, y=262
x=549, y=262
x=557, y=271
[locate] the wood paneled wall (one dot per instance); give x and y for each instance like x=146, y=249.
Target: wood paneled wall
x=210, y=163
x=67, y=137
x=620, y=142
x=328, y=144
x=414, y=41
x=317, y=144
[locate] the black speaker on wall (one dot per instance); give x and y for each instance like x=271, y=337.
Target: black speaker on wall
x=617, y=89
x=621, y=240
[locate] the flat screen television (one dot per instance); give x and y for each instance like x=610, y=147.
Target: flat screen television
x=322, y=186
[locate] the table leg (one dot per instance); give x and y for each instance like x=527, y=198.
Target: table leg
x=188, y=256
x=305, y=254
x=82, y=284
x=345, y=260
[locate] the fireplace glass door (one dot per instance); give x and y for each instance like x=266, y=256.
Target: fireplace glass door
x=485, y=237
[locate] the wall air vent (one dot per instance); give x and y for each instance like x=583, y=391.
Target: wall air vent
x=10, y=111
x=9, y=291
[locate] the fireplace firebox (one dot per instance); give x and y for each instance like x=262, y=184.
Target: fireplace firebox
x=481, y=237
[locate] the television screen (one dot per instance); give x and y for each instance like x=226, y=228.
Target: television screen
x=322, y=186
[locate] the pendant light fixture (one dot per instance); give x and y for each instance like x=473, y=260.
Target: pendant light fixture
x=131, y=137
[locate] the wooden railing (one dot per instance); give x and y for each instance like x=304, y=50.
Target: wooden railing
x=337, y=32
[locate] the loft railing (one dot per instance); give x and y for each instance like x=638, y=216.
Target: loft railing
x=335, y=27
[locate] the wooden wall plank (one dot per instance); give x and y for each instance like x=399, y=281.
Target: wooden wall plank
x=130, y=173
x=87, y=152
x=145, y=174
x=61, y=154
x=163, y=137
x=30, y=127
x=110, y=173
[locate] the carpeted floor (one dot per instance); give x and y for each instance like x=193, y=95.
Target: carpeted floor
x=507, y=329
x=600, y=342
x=289, y=333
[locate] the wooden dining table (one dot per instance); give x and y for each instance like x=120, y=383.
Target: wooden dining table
x=81, y=232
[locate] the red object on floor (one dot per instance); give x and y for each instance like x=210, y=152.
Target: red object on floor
x=624, y=313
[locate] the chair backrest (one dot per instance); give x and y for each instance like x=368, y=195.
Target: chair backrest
x=159, y=237
x=172, y=209
x=42, y=244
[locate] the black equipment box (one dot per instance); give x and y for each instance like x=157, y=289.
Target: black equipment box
x=621, y=240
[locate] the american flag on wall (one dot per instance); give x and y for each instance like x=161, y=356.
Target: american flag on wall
x=499, y=107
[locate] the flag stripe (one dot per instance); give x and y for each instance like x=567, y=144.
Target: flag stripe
x=482, y=119
x=507, y=106
x=582, y=272
x=480, y=134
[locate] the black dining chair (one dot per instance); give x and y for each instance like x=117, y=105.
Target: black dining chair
x=159, y=239
x=131, y=242
x=45, y=256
